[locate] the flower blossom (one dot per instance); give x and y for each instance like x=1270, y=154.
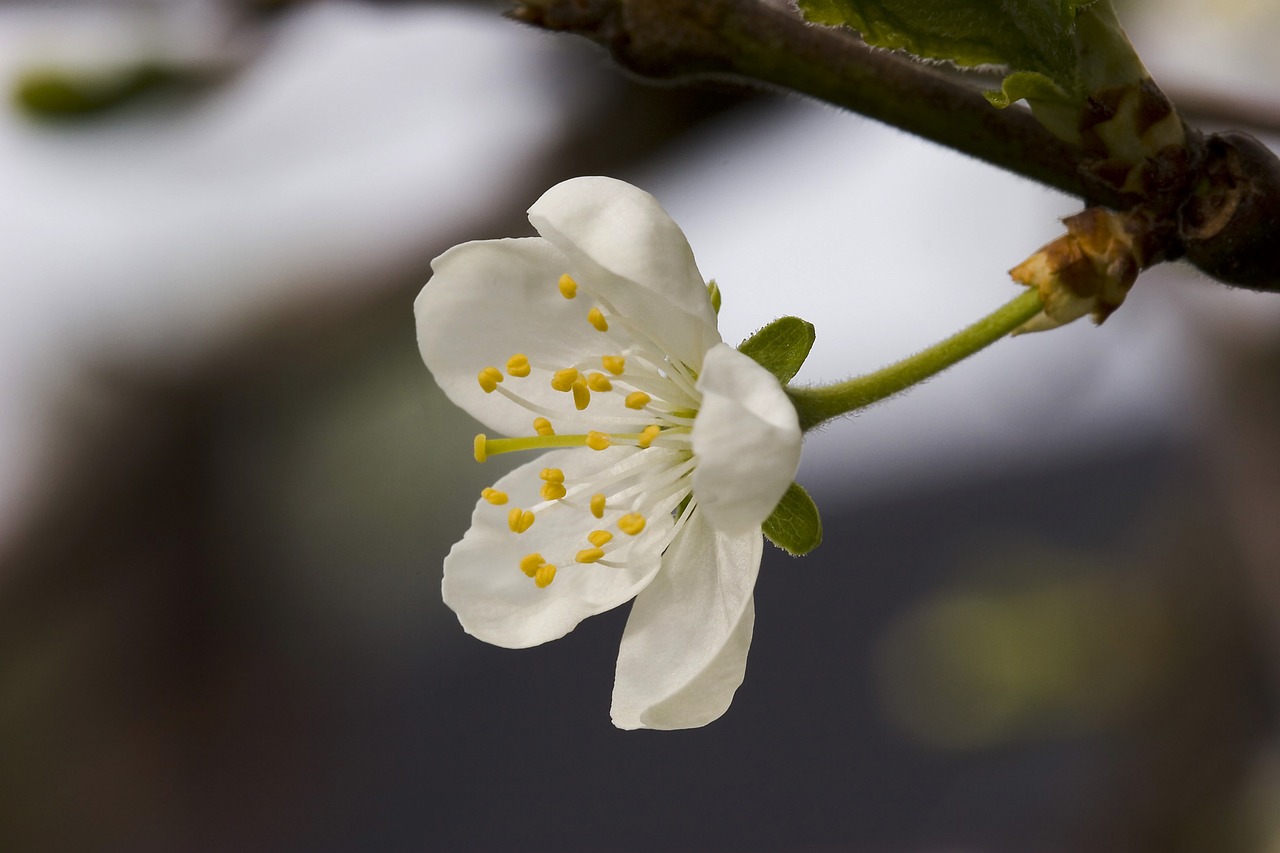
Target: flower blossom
x=666, y=448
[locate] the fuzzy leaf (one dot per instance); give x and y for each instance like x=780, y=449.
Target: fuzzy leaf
x=73, y=93
x=1024, y=35
x=795, y=525
x=781, y=347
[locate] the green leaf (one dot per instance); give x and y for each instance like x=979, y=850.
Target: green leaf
x=1025, y=35
x=1065, y=58
x=781, y=347
x=75, y=93
x=795, y=525
x=1056, y=109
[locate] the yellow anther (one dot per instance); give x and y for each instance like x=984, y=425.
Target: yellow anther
x=494, y=496
x=552, y=491
x=596, y=318
x=581, y=395
x=564, y=379
x=530, y=563
x=613, y=363
x=489, y=379
x=597, y=440
x=631, y=523
x=519, y=520
x=589, y=555
x=542, y=426
x=599, y=538
x=597, y=504
x=599, y=382
x=637, y=400
x=648, y=434
x=568, y=287
x=545, y=574
x=478, y=448
x=518, y=365
x=552, y=475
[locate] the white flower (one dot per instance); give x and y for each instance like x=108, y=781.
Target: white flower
x=667, y=448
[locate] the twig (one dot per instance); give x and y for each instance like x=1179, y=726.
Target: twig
x=761, y=43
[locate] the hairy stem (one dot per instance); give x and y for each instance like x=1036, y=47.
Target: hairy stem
x=817, y=404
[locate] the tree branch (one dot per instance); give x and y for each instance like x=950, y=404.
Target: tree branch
x=761, y=43
x=1215, y=200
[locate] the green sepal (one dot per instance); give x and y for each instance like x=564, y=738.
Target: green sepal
x=713, y=290
x=795, y=525
x=781, y=347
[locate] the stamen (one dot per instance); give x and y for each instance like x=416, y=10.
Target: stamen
x=648, y=434
x=489, y=379
x=679, y=374
x=599, y=383
x=542, y=426
x=530, y=563
x=485, y=447
x=673, y=530
x=596, y=318
x=613, y=363
x=544, y=576
x=552, y=413
x=657, y=487
x=637, y=400
x=553, y=488
x=661, y=382
x=631, y=523
x=597, y=504
x=519, y=520
x=568, y=287
x=581, y=395
x=626, y=469
x=563, y=379
x=589, y=555
x=494, y=496
x=599, y=538
x=518, y=365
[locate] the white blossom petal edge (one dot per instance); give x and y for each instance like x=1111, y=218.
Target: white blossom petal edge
x=667, y=448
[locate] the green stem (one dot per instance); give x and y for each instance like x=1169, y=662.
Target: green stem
x=817, y=404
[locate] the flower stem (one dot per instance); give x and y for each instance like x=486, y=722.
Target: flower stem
x=817, y=404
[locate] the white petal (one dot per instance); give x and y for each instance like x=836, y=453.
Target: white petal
x=684, y=650
x=497, y=603
x=747, y=439
x=491, y=299
x=625, y=246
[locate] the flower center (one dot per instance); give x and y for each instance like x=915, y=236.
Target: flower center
x=637, y=396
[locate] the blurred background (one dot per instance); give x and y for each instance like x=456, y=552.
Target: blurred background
x=1046, y=616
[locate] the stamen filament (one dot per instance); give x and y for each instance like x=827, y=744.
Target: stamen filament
x=661, y=387
x=551, y=413
x=645, y=336
x=680, y=522
x=485, y=446
x=629, y=467
x=660, y=486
